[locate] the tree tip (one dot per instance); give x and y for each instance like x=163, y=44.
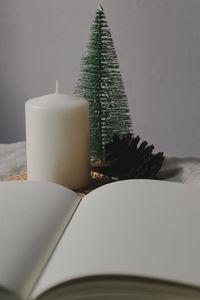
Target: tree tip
x=100, y=7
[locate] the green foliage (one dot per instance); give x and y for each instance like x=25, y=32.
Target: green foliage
x=100, y=82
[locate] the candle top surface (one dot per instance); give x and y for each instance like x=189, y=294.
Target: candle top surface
x=57, y=100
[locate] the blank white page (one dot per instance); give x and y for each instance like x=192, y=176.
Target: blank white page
x=33, y=216
x=135, y=227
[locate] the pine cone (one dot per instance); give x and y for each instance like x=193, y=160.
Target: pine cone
x=129, y=160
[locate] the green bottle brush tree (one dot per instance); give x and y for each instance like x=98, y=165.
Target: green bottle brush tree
x=100, y=82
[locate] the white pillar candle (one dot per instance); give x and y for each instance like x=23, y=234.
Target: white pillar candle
x=57, y=139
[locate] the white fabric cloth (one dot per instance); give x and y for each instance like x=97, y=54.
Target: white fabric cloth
x=12, y=159
x=185, y=170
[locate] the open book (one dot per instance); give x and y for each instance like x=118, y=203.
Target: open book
x=134, y=239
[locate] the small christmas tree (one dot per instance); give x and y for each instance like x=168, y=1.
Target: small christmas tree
x=100, y=82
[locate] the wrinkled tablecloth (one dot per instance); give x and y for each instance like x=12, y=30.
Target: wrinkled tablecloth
x=12, y=159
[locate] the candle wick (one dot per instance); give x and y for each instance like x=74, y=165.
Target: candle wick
x=57, y=87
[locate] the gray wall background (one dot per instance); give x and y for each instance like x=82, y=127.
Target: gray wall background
x=158, y=47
